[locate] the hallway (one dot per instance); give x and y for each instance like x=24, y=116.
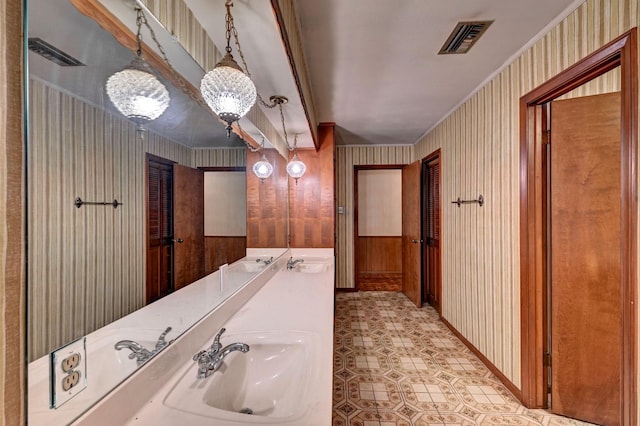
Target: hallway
x=395, y=364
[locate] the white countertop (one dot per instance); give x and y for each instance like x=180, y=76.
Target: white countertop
x=289, y=301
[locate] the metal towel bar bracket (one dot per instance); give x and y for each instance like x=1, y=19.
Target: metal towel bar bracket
x=115, y=203
x=479, y=200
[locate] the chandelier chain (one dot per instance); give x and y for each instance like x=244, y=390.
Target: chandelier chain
x=142, y=19
x=231, y=29
x=284, y=128
x=249, y=146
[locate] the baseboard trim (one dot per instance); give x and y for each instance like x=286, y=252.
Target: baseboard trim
x=508, y=383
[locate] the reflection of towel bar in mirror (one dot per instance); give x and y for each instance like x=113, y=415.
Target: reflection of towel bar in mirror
x=479, y=200
x=115, y=203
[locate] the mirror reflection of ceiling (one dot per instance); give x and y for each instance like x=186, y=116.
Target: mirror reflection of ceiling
x=184, y=121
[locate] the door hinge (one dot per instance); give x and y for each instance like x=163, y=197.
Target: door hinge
x=547, y=359
x=547, y=139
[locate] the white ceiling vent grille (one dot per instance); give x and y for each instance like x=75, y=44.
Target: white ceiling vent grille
x=52, y=53
x=464, y=36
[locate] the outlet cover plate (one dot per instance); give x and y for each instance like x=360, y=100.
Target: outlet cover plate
x=57, y=374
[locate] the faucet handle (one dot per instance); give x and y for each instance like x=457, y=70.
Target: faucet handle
x=216, y=346
x=197, y=356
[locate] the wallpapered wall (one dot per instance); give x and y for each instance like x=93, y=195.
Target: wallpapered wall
x=86, y=265
x=480, y=155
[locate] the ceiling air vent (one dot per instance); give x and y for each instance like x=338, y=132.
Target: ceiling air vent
x=52, y=53
x=464, y=36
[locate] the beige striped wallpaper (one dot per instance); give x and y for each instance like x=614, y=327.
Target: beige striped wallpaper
x=480, y=155
x=178, y=19
x=86, y=265
x=346, y=158
x=219, y=157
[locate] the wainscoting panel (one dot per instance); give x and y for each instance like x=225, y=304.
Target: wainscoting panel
x=221, y=250
x=380, y=263
x=480, y=155
x=346, y=158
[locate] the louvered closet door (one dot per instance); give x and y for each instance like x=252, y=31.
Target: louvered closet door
x=432, y=268
x=159, y=281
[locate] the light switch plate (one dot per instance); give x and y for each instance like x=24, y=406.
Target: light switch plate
x=67, y=372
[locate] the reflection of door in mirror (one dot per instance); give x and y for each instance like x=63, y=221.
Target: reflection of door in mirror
x=225, y=220
x=175, y=226
x=159, y=228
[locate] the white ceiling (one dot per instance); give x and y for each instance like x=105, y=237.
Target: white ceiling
x=374, y=66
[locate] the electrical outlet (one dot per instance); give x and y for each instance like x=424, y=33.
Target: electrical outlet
x=70, y=362
x=70, y=380
x=68, y=372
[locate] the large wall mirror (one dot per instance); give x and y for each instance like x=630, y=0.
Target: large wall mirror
x=88, y=266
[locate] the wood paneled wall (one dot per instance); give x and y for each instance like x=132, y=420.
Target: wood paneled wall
x=267, y=204
x=346, y=158
x=380, y=254
x=86, y=265
x=312, y=198
x=221, y=250
x=12, y=205
x=480, y=155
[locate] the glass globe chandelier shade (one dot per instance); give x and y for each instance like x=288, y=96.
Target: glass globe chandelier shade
x=263, y=169
x=228, y=91
x=137, y=93
x=296, y=167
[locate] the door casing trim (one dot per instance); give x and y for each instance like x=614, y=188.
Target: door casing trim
x=620, y=52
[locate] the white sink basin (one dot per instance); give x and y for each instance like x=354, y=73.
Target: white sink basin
x=247, y=266
x=273, y=380
x=311, y=268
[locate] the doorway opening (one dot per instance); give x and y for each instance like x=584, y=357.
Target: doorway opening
x=552, y=230
x=378, y=219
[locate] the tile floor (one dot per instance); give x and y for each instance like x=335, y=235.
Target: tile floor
x=395, y=364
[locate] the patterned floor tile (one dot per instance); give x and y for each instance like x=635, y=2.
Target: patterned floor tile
x=395, y=364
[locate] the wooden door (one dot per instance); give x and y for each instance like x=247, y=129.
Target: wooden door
x=159, y=279
x=431, y=221
x=188, y=224
x=411, y=236
x=585, y=262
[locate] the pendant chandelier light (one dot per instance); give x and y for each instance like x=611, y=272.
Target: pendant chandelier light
x=135, y=91
x=228, y=91
x=262, y=168
x=296, y=167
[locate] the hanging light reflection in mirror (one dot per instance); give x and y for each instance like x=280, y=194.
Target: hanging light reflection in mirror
x=135, y=90
x=295, y=167
x=262, y=168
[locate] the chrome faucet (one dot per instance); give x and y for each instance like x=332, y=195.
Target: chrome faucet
x=139, y=352
x=265, y=261
x=292, y=263
x=210, y=360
